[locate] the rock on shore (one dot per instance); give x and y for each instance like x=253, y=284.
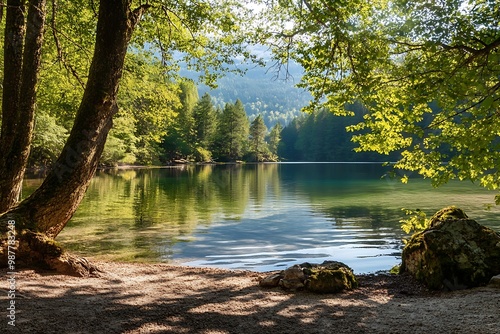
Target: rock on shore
x=454, y=253
x=328, y=277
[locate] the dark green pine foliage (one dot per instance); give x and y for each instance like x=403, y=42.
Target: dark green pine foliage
x=232, y=133
x=205, y=126
x=274, y=139
x=258, y=149
x=205, y=120
x=287, y=148
x=322, y=136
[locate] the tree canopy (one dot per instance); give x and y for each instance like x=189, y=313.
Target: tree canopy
x=427, y=73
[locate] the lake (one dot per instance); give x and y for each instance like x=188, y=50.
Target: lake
x=258, y=217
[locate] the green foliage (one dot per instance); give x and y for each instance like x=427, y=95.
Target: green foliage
x=205, y=120
x=180, y=139
x=121, y=145
x=232, y=132
x=427, y=73
x=274, y=139
x=202, y=154
x=396, y=270
x=289, y=136
x=48, y=140
x=204, y=35
x=322, y=136
x=185, y=118
x=147, y=102
x=417, y=222
x=67, y=53
x=257, y=144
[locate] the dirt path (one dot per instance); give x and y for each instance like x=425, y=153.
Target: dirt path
x=158, y=298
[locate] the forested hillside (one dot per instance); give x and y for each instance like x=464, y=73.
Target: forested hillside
x=322, y=136
x=268, y=91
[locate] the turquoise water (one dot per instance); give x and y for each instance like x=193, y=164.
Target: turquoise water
x=258, y=217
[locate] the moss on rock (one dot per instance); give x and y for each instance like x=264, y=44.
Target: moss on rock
x=450, y=212
x=454, y=253
x=323, y=280
x=328, y=277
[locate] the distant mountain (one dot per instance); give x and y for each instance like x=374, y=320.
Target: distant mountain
x=262, y=92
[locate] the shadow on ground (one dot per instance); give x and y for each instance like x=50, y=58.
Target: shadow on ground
x=164, y=299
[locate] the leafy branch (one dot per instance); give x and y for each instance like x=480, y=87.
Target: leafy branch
x=417, y=221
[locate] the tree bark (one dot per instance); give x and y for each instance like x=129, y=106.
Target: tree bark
x=11, y=176
x=19, y=99
x=45, y=213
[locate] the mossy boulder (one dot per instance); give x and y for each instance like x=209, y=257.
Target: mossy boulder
x=328, y=277
x=455, y=252
x=450, y=212
x=331, y=280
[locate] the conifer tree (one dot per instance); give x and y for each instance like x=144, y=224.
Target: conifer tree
x=205, y=119
x=258, y=145
x=274, y=139
x=232, y=132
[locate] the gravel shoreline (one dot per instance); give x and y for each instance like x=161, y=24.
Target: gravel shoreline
x=162, y=298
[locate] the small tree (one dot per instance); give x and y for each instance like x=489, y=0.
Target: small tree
x=275, y=138
x=232, y=132
x=205, y=120
x=258, y=146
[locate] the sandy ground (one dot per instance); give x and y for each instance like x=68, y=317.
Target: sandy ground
x=158, y=298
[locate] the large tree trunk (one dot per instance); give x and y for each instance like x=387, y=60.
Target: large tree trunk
x=21, y=70
x=11, y=175
x=45, y=213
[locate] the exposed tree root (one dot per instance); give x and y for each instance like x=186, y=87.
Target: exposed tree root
x=73, y=265
x=39, y=251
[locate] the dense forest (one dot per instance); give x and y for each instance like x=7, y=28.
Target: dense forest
x=165, y=121
x=322, y=136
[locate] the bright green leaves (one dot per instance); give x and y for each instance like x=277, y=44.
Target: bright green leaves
x=208, y=36
x=417, y=221
x=67, y=52
x=147, y=100
x=427, y=73
x=48, y=140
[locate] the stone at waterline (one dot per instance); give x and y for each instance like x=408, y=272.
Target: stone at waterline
x=328, y=277
x=271, y=281
x=454, y=253
x=494, y=282
x=331, y=280
x=293, y=278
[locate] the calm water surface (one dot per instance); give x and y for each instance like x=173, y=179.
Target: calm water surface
x=258, y=217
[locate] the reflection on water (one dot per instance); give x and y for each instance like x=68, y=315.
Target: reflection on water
x=258, y=217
